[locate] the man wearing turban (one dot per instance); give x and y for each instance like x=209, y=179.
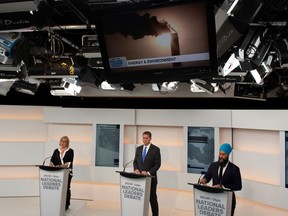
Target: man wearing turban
x=224, y=174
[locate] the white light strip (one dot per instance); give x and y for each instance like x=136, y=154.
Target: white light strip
x=256, y=76
x=232, y=7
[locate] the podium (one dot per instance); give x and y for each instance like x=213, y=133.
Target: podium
x=53, y=190
x=135, y=194
x=212, y=201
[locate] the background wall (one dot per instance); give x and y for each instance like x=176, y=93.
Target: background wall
x=30, y=134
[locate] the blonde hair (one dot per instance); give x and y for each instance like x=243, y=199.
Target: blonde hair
x=67, y=138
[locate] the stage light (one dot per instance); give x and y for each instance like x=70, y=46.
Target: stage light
x=230, y=65
x=261, y=73
x=110, y=87
x=165, y=86
x=70, y=86
x=198, y=85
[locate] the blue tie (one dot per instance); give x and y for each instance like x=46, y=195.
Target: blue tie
x=144, y=154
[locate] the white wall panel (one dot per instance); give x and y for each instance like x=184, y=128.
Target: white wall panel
x=19, y=172
x=225, y=136
x=74, y=115
x=259, y=141
x=75, y=132
x=264, y=193
x=171, y=158
x=21, y=113
x=260, y=119
x=209, y=118
x=19, y=187
x=258, y=167
x=21, y=153
x=22, y=130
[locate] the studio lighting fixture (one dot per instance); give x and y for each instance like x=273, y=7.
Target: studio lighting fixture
x=198, y=85
x=260, y=73
x=230, y=65
x=109, y=87
x=165, y=86
x=70, y=86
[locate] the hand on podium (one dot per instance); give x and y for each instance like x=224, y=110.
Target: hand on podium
x=217, y=186
x=202, y=181
x=143, y=172
x=136, y=171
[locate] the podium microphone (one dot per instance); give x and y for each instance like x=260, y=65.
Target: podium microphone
x=46, y=159
x=127, y=164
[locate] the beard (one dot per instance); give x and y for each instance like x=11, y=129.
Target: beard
x=222, y=162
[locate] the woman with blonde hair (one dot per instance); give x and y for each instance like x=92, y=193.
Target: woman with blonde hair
x=63, y=157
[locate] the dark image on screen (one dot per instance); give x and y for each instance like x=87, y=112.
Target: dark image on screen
x=165, y=37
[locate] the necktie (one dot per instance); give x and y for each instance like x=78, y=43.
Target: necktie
x=144, y=154
x=220, y=174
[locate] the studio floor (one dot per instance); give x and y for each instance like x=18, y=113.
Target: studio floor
x=29, y=206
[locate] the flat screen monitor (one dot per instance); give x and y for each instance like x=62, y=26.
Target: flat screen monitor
x=158, y=42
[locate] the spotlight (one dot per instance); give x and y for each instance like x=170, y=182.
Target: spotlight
x=230, y=65
x=109, y=87
x=70, y=86
x=261, y=73
x=198, y=85
x=165, y=86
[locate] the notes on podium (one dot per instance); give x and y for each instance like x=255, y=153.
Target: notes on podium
x=211, y=201
x=53, y=190
x=135, y=193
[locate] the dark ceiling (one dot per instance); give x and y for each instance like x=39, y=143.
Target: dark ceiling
x=71, y=19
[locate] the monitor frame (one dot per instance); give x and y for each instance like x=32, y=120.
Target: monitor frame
x=164, y=74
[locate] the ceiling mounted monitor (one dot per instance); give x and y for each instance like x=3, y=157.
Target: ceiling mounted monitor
x=158, y=42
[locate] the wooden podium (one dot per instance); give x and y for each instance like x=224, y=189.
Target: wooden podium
x=135, y=194
x=212, y=201
x=53, y=190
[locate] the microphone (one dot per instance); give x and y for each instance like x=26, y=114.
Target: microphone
x=202, y=174
x=46, y=159
x=127, y=165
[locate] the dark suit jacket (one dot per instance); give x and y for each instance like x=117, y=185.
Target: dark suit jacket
x=231, y=178
x=152, y=160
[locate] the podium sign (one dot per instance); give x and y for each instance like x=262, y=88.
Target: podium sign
x=135, y=194
x=212, y=201
x=53, y=190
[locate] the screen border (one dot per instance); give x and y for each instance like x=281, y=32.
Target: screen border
x=165, y=74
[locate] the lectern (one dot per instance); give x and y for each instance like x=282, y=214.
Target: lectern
x=212, y=201
x=53, y=190
x=135, y=194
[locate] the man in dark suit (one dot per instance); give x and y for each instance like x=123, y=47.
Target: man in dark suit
x=224, y=174
x=147, y=161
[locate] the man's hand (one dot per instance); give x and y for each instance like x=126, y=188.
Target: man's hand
x=217, y=186
x=203, y=181
x=136, y=171
x=145, y=173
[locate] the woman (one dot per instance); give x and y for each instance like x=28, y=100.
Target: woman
x=63, y=157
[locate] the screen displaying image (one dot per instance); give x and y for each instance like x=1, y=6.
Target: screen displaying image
x=200, y=149
x=165, y=37
x=107, y=145
x=169, y=36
